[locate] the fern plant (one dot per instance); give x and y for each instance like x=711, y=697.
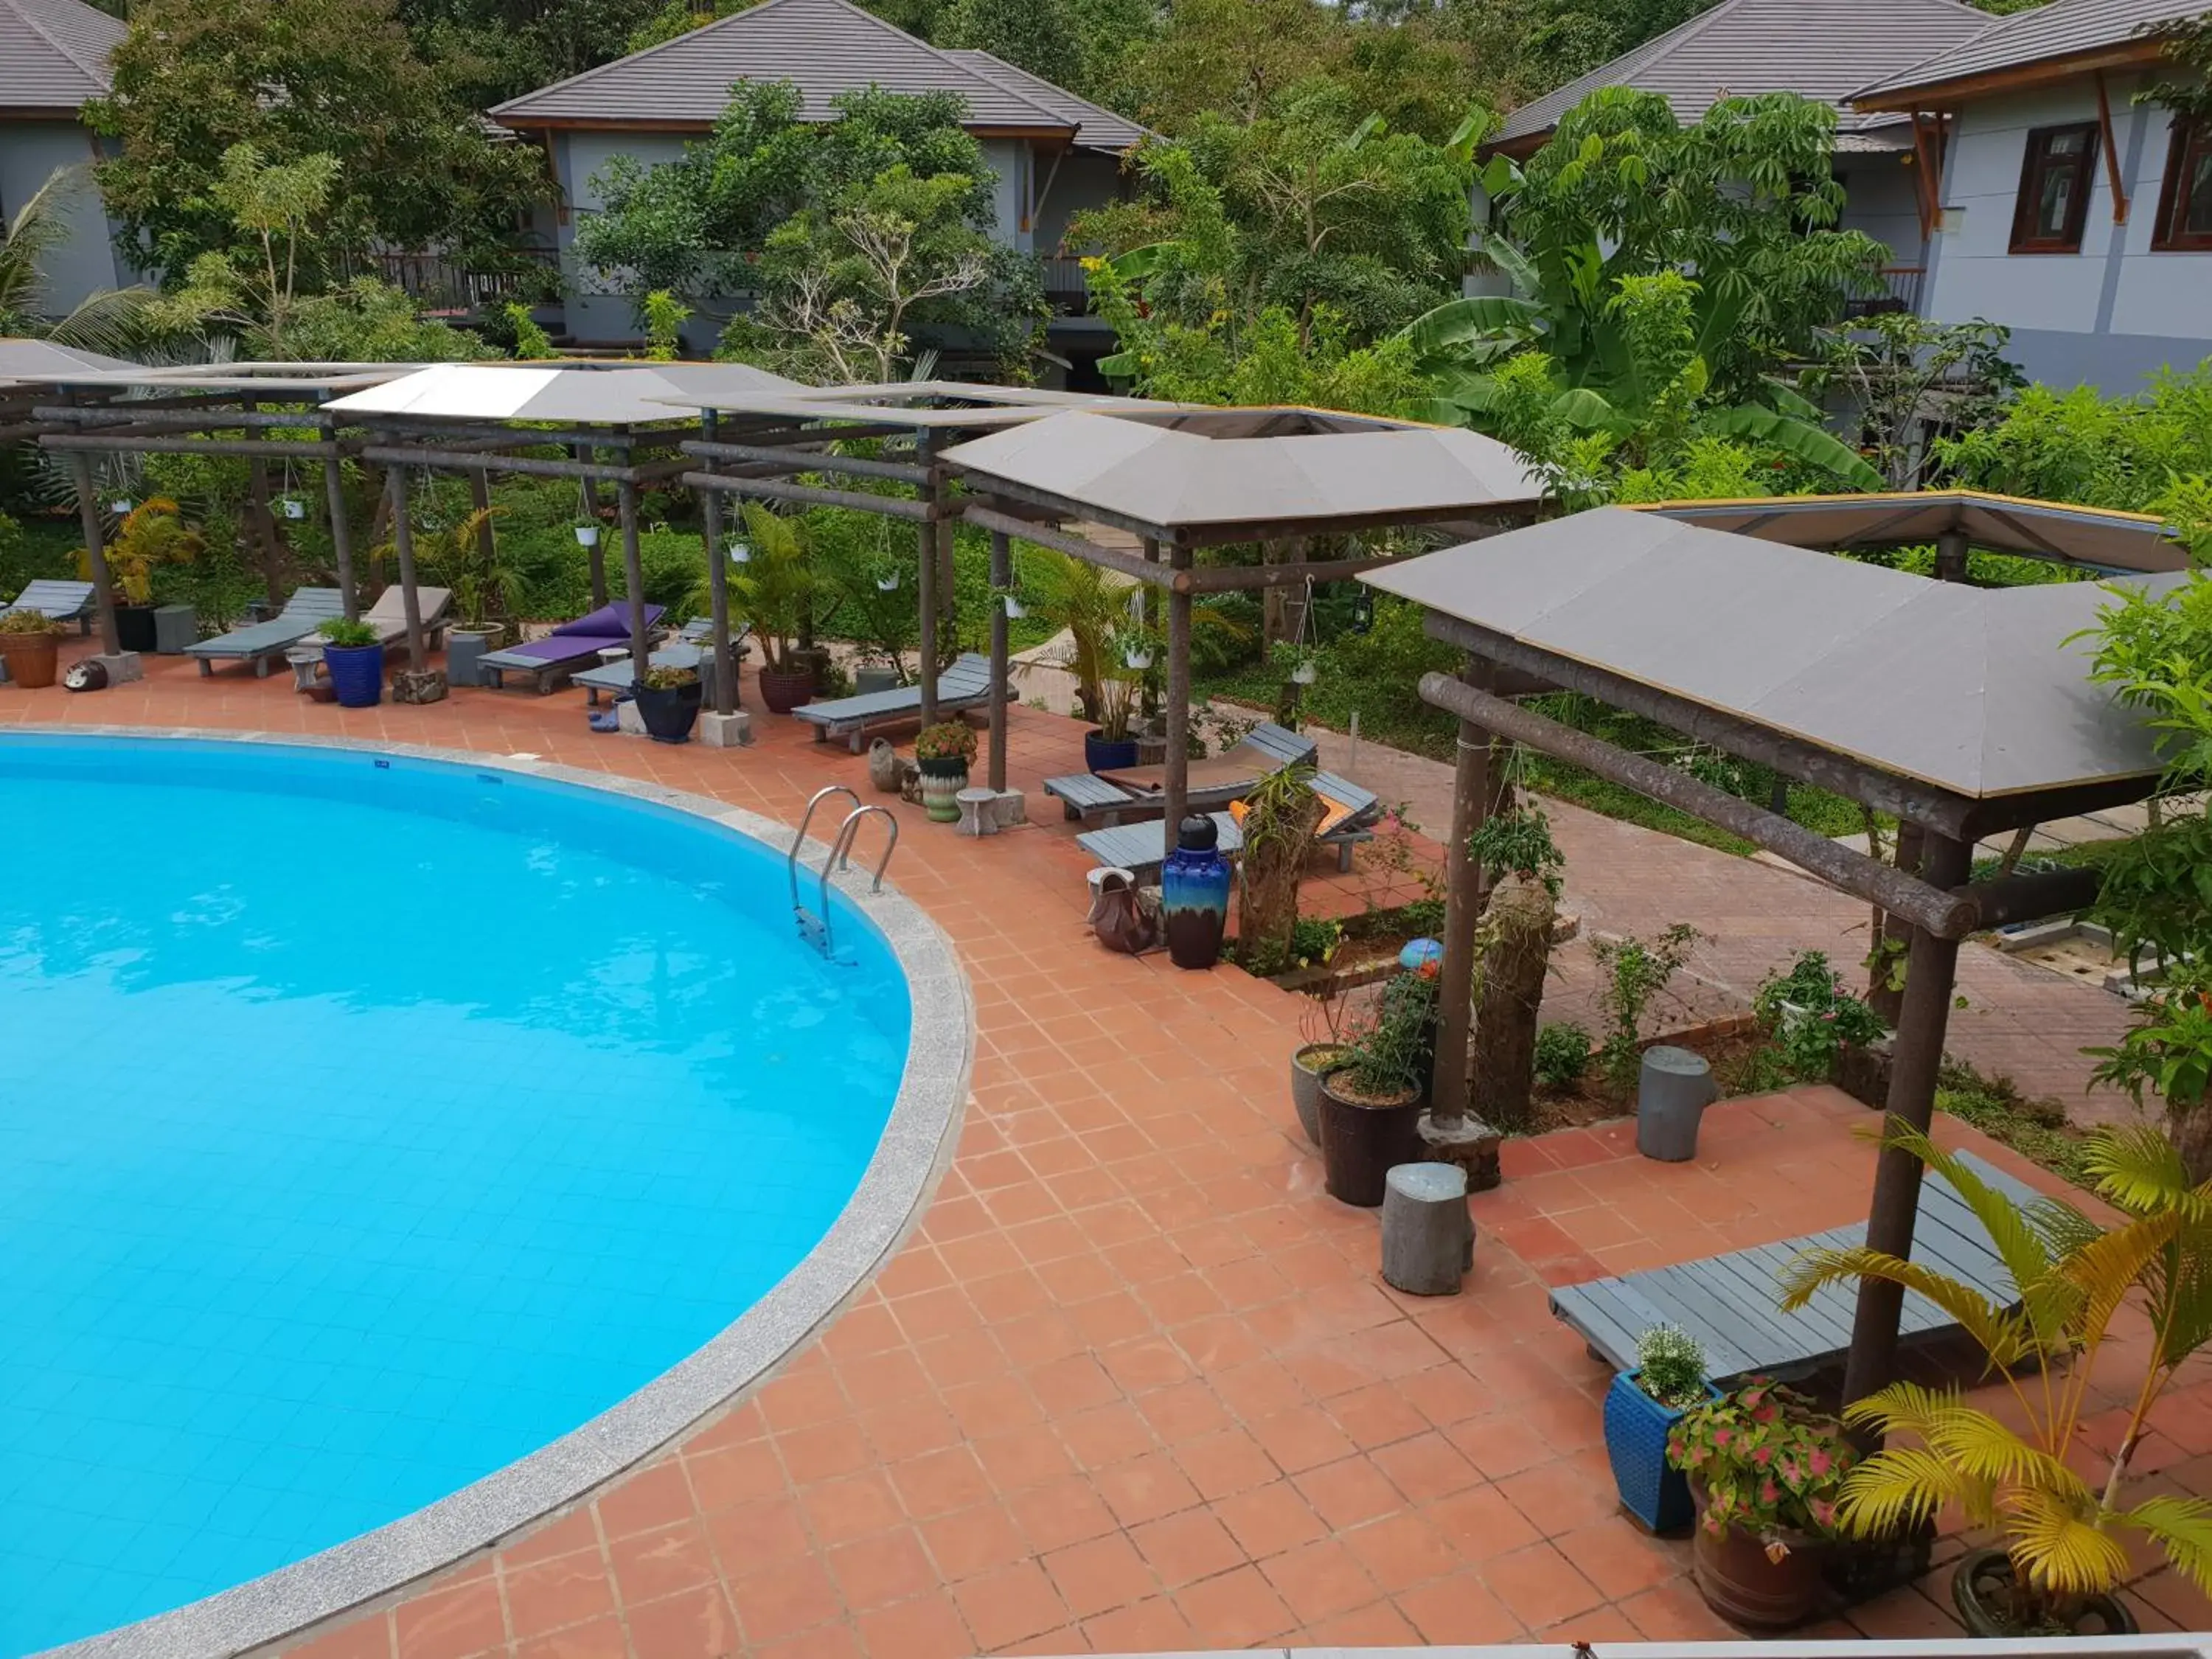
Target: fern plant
x=2066, y=1538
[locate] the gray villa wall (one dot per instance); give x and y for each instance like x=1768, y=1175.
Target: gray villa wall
x=85, y=262
x=1878, y=199
x=2107, y=316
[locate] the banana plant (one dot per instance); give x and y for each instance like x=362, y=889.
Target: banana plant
x=2065, y=1537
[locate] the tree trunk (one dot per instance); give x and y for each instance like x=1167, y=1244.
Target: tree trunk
x=2190, y=1129
x=1275, y=854
x=1516, y=946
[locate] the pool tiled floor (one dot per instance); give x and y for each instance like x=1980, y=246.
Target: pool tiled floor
x=1134, y=1383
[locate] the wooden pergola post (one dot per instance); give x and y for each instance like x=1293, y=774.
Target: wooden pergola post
x=717, y=583
x=403, y=544
x=634, y=574
x=589, y=487
x=1448, y=1103
x=1931, y=974
x=341, y=528
x=1175, y=789
x=263, y=521
x=95, y=553
x=1002, y=581
x=932, y=494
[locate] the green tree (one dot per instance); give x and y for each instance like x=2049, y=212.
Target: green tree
x=2133, y=452
x=1044, y=37
x=331, y=77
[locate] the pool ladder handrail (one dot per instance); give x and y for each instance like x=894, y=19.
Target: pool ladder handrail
x=815, y=925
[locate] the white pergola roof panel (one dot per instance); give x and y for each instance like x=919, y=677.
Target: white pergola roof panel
x=1981, y=691
x=623, y=395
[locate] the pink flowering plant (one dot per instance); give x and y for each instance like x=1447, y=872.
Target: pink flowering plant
x=1770, y=1463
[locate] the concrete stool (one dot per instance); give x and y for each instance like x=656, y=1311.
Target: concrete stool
x=1428, y=1237
x=1672, y=1093
x=978, y=812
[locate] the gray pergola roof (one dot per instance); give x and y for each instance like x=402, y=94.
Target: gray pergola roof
x=587, y=394
x=37, y=362
x=1822, y=49
x=2102, y=538
x=2060, y=34
x=934, y=406
x=1218, y=474
x=1976, y=691
x=282, y=380
x=53, y=55
x=825, y=48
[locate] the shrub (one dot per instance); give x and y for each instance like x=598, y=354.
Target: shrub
x=349, y=635
x=1563, y=1052
x=1772, y=1465
x=29, y=621
x=1313, y=940
x=1672, y=1366
x=1391, y=1042
x=670, y=679
x=1810, y=1017
x=1635, y=973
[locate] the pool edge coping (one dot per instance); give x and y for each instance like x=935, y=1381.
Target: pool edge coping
x=901, y=1176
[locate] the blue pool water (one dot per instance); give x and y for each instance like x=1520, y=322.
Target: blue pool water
x=366, y=1125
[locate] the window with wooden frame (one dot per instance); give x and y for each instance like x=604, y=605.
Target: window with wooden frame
x=2184, y=200
x=2055, y=177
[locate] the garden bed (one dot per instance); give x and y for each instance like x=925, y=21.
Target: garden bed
x=1744, y=1063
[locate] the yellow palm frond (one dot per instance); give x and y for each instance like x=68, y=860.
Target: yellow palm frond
x=1901, y=1408
x=2136, y=1169
x=1902, y=1485
x=2060, y=1547
x=2180, y=1290
x=2002, y=1337
x=2183, y=1528
x=2108, y=1268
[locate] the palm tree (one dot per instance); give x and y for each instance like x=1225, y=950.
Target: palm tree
x=110, y=320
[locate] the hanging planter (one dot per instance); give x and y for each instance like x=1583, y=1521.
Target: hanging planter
x=1138, y=659
x=1305, y=673
x=888, y=584
x=739, y=553
x=1296, y=661
x=121, y=506
x=1015, y=609
x=587, y=535
x=292, y=507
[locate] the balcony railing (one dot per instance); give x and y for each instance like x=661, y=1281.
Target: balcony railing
x=1064, y=287
x=442, y=285
x=1900, y=292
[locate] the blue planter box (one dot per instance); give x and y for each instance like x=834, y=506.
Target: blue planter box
x=1636, y=1429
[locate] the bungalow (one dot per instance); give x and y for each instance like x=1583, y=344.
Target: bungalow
x=2060, y=204
x=1054, y=154
x=53, y=61
x=1819, y=49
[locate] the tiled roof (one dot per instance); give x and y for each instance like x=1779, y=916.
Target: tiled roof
x=1823, y=49
x=824, y=47
x=2063, y=29
x=53, y=54
x=1097, y=128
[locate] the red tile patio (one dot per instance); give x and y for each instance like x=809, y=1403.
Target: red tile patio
x=1132, y=1383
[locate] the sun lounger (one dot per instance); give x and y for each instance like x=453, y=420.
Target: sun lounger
x=573, y=646
x=687, y=650
x=1362, y=807
x=262, y=643
x=388, y=616
x=965, y=684
x=60, y=600
x=1084, y=795
x=1730, y=1303
x=1139, y=848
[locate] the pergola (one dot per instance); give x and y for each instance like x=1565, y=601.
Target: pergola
x=1963, y=711
x=1184, y=479
x=785, y=433
x=473, y=418
x=106, y=407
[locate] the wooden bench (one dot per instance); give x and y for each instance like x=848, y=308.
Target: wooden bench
x=1730, y=1302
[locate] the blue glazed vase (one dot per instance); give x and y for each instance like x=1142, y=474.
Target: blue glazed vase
x=356, y=674
x=1636, y=1429
x=1194, y=895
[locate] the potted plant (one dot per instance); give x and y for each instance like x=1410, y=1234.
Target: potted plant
x=941, y=754
x=354, y=653
x=774, y=590
x=587, y=532
x=468, y=560
x=151, y=535
x=1298, y=663
x=1808, y=1014
x=2060, y=1555
x=1641, y=1410
x=668, y=702
x=1322, y=1023
x=1371, y=1106
x=30, y=646
x=1764, y=1469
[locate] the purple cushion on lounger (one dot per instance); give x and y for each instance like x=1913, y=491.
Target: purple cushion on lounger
x=609, y=622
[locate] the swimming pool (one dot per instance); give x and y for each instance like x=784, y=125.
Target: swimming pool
x=367, y=1123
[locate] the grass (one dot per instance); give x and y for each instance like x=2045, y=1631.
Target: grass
x=2036, y=1129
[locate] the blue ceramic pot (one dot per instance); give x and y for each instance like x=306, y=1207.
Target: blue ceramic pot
x=1194, y=895
x=1105, y=755
x=356, y=674
x=1636, y=1429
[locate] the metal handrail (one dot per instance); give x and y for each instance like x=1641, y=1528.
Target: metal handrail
x=846, y=831
x=791, y=858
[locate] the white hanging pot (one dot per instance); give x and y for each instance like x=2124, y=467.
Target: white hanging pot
x=121, y=506
x=294, y=507
x=1139, y=661
x=740, y=553
x=1015, y=609
x=587, y=535
x=887, y=584
x=1305, y=673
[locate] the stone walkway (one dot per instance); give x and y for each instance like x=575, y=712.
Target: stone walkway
x=1133, y=1384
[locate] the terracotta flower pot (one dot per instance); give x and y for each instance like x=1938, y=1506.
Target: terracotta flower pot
x=31, y=658
x=1747, y=1586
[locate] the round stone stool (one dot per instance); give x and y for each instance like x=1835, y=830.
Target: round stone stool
x=1428, y=1237
x=1672, y=1093
x=978, y=812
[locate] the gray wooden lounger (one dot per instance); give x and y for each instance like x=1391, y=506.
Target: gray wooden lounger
x=1139, y=847
x=62, y=601
x=688, y=650
x=1083, y=795
x=965, y=683
x=388, y=616
x=262, y=643
x=1728, y=1303
x=1086, y=795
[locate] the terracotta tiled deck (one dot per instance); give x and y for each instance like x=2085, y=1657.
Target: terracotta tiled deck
x=1134, y=1383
